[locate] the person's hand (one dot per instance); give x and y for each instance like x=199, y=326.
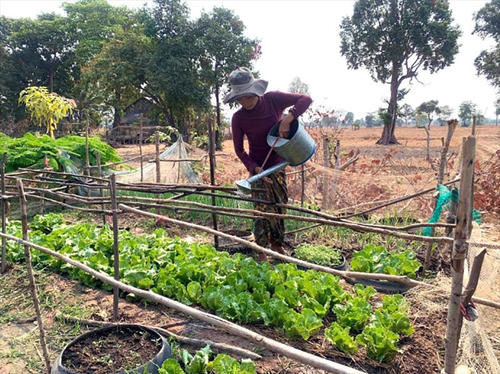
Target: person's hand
x=285, y=126
x=258, y=170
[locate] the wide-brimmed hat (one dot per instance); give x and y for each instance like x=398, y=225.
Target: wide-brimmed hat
x=244, y=84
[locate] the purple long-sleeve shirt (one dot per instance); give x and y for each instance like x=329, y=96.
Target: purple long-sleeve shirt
x=256, y=123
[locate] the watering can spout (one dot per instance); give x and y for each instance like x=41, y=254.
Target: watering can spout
x=245, y=186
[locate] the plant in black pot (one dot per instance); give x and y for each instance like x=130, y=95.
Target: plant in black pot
x=120, y=349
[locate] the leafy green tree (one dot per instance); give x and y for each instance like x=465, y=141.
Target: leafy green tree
x=369, y=120
x=406, y=112
x=174, y=82
x=488, y=25
x=41, y=48
x=45, y=108
x=444, y=114
x=466, y=111
x=429, y=109
x=91, y=25
x=395, y=40
x=223, y=46
x=349, y=118
x=297, y=86
x=119, y=71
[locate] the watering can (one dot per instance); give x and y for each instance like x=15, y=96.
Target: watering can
x=295, y=150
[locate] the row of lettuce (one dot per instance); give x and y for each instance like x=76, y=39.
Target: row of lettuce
x=233, y=287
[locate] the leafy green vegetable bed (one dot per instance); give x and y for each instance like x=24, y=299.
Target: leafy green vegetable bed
x=31, y=150
x=234, y=287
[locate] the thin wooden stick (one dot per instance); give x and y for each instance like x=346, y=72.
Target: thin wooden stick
x=398, y=200
x=183, y=339
x=101, y=191
x=140, y=146
x=258, y=339
x=116, y=254
x=464, y=216
x=31, y=278
x=4, y=212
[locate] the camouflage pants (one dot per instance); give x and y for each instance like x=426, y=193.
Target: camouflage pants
x=270, y=230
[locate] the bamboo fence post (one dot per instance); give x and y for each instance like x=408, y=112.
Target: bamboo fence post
x=460, y=246
x=157, y=156
x=116, y=254
x=4, y=213
x=474, y=123
x=211, y=153
x=101, y=191
x=336, y=167
x=302, y=185
x=27, y=255
x=326, y=164
x=87, y=161
x=157, y=160
x=140, y=146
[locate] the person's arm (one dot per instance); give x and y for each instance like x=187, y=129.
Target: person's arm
x=240, y=150
x=299, y=104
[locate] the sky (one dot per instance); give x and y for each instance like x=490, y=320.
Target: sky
x=300, y=38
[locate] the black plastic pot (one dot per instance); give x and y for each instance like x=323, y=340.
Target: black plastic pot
x=383, y=286
x=148, y=367
x=342, y=266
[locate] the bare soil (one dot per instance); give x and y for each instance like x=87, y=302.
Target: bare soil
x=116, y=350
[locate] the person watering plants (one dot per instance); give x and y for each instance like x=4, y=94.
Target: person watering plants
x=259, y=112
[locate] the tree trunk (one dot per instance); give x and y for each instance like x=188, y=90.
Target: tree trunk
x=51, y=81
x=388, y=132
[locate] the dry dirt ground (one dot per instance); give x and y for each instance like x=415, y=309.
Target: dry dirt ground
x=421, y=353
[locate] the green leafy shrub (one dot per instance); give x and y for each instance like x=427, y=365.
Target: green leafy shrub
x=376, y=259
x=319, y=254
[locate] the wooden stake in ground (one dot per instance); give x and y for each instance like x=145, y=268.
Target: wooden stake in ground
x=4, y=211
x=101, y=191
x=116, y=254
x=211, y=157
x=460, y=246
x=140, y=146
x=27, y=255
x=302, y=185
x=326, y=164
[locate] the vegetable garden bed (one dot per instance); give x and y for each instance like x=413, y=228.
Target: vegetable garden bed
x=300, y=302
